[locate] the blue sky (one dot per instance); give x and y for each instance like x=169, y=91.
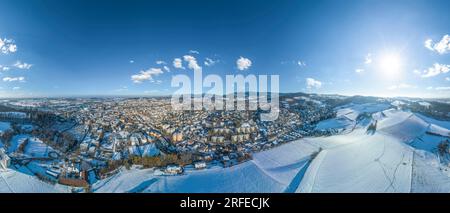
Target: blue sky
x=75, y=48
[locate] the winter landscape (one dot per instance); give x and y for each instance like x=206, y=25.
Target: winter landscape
x=173, y=96
x=368, y=145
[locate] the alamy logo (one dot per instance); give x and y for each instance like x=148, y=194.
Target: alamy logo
x=249, y=92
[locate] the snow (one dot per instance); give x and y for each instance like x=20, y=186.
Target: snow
x=445, y=124
x=36, y=148
x=376, y=163
x=351, y=111
x=267, y=172
x=15, y=181
x=27, y=127
x=4, y=126
x=402, y=125
x=346, y=115
x=427, y=142
x=435, y=129
x=380, y=162
x=398, y=103
x=427, y=177
x=144, y=150
x=334, y=123
x=245, y=177
x=19, y=115
x=16, y=141
x=424, y=103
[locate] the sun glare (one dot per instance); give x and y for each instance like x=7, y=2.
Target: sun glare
x=390, y=65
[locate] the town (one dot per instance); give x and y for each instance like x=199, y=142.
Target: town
x=78, y=141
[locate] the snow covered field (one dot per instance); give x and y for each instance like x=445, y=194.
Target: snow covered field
x=268, y=172
x=346, y=115
x=15, y=181
x=4, y=126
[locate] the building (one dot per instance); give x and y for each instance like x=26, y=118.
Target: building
x=84, y=147
x=177, y=136
x=200, y=165
x=4, y=160
x=173, y=170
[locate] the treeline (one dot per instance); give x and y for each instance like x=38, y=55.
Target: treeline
x=7, y=135
x=181, y=159
x=63, y=141
x=443, y=147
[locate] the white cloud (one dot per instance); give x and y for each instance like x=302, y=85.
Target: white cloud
x=178, y=63
x=151, y=91
x=166, y=68
x=368, y=59
x=401, y=86
x=243, y=63
x=4, y=68
x=192, y=63
x=442, y=88
x=210, y=62
x=193, y=52
x=122, y=89
x=160, y=62
x=23, y=66
x=7, y=46
x=447, y=78
x=16, y=88
x=429, y=44
x=156, y=81
x=301, y=63
x=438, y=88
x=146, y=75
x=442, y=47
x=359, y=70
x=417, y=72
x=9, y=79
x=312, y=83
x=131, y=61
x=436, y=69
x=393, y=87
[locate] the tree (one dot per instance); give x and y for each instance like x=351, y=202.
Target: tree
x=443, y=147
x=185, y=158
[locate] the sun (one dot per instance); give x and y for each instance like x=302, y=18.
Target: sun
x=390, y=65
